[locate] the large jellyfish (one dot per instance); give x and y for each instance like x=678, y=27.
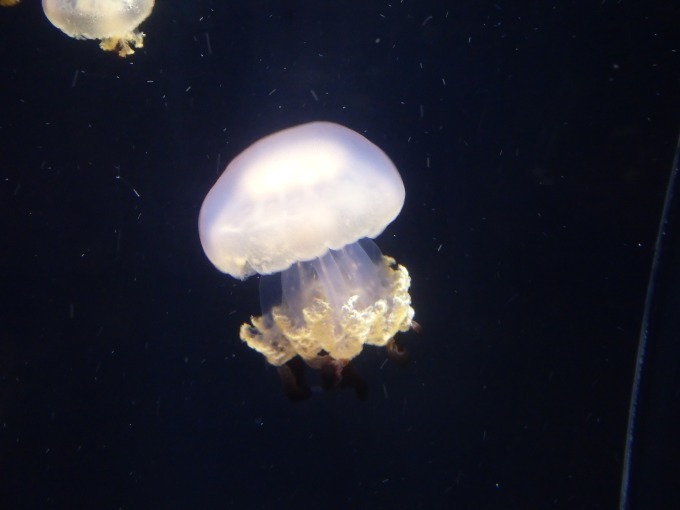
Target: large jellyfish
x=300, y=207
x=113, y=22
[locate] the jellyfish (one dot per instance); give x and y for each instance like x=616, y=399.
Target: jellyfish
x=113, y=22
x=8, y=3
x=301, y=207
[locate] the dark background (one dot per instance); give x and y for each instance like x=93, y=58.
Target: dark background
x=535, y=141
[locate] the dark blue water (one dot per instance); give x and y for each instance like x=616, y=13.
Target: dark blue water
x=534, y=140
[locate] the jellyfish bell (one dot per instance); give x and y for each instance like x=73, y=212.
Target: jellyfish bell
x=296, y=194
x=300, y=208
x=113, y=22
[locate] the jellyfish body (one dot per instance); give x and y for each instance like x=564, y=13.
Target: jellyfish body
x=298, y=207
x=113, y=22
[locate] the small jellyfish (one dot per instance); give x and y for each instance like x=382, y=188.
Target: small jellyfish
x=113, y=22
x=7, y=3
x=300, y=207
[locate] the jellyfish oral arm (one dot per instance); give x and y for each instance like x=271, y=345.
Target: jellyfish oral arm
x=334, y=305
